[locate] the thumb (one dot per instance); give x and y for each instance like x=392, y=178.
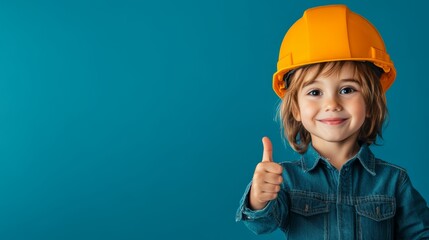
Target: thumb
x=267, y=155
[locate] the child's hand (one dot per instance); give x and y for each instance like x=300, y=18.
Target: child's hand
x=266, y=179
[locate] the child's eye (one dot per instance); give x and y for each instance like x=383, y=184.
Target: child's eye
x=314, y=93
x=347, y=90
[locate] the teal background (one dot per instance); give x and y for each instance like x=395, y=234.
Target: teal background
x=143, y=119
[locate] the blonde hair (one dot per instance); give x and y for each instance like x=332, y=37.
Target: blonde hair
x=375, y=101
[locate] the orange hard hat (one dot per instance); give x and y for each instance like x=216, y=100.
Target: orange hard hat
x=331, y=33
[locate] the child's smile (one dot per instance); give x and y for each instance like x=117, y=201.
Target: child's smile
x=332, y=121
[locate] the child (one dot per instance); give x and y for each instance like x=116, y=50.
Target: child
x=333, y=71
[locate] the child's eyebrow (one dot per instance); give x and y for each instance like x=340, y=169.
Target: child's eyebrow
x=352, y=80
x=305, y=84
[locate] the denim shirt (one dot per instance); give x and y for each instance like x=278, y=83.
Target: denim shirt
x=367, y=199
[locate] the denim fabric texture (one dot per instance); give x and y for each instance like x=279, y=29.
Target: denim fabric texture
x=367, y=199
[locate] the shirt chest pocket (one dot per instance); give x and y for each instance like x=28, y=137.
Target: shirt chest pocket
x=308, y=206
x=308, y=216
x=377, y=210
x=375, y=218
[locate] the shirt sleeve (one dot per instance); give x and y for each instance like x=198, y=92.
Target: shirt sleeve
x=265, y=220
x=412, y=213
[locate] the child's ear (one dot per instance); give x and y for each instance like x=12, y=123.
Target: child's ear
x=296, y=114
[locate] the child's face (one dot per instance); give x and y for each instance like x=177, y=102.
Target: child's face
x=332, y=107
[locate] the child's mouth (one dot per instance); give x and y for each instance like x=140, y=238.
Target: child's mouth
x=333, y=121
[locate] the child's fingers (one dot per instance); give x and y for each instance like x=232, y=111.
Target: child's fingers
x=270, y=188
x=267, y=196
x=273, y=178
x=270, y=167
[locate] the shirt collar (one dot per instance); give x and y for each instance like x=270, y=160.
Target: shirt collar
x=311, y=158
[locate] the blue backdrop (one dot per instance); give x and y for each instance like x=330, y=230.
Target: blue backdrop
x=143, y=119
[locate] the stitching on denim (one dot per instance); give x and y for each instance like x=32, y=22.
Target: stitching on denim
x=329, y=198
x=338, y=204
x=310, y=212
x=276, y=212
x=381, y=162
x=303, y=164
x=359, y=226
x=378, y=215
x=315, y=203
x=326, y=226
x=404, y=178
x=294, y=162
x=348, y=200
x=339, y=218
x=374, y=198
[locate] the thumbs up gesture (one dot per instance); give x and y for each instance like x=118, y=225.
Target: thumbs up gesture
x=266, y=179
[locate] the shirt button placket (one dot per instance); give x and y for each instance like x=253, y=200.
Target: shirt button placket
x=345, y=213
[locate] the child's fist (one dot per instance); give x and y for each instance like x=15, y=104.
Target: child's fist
x=266, y=179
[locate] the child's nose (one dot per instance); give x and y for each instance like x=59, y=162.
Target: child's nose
x=332, y=104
